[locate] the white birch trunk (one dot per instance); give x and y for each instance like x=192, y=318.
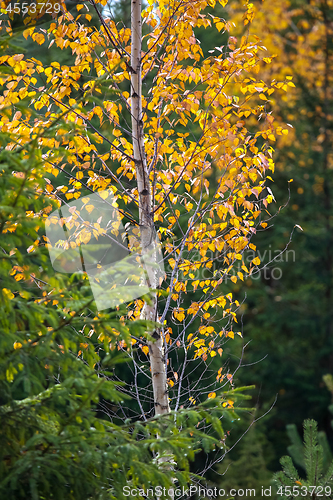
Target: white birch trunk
x=146, y=219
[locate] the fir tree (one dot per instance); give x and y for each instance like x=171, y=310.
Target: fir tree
x=318, y=481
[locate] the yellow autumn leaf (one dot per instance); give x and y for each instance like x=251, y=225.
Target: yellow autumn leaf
x=7, y=293
x=145, y=349
x=256, y=261
x=179, y=314
x=103, y=194
x=212, y=395
x=10, y=372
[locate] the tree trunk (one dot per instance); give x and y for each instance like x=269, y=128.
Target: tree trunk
x=146, y=218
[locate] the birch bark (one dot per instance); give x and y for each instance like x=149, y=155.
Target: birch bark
x=146, y=218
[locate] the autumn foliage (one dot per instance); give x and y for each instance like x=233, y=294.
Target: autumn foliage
x=208, y=132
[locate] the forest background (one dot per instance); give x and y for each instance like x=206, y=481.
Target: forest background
x=287, y=312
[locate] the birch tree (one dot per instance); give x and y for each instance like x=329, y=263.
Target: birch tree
x=146, y=211
x=180, y=145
